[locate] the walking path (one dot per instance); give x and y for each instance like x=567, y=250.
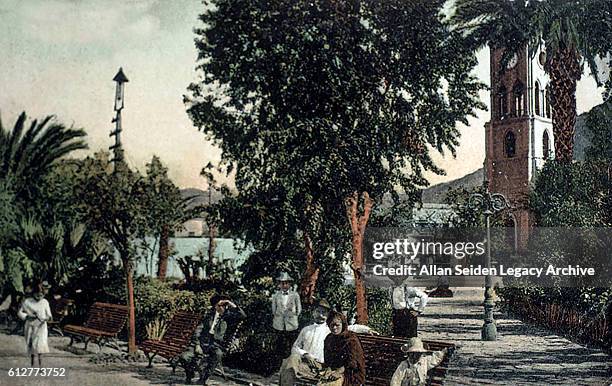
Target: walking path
x=523, y=355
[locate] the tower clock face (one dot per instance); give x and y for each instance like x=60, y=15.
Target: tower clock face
x=512, y=62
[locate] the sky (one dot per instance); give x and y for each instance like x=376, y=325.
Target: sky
x=60, y=56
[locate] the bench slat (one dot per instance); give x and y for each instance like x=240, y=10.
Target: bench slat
x=104, y=320
x=383, y=355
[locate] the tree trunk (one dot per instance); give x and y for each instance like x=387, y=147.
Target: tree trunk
x=164, y=252
x=358, y=222
x=564, y=70
x=311, y=274
x=211, y=249
x=129, y=273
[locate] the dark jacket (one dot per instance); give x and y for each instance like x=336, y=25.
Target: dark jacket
x=223, y=332
x=224, y=329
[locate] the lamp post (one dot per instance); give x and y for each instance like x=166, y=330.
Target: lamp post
x=490, y=204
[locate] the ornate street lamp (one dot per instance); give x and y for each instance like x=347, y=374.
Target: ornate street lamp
x=490, y=204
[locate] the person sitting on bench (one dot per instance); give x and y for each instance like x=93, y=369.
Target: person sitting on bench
x=307, y=353
x=209, y=341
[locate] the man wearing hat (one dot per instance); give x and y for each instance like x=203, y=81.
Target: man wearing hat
x=306, y=357
x=286, y=308
x=413, y=370
x=211, y=338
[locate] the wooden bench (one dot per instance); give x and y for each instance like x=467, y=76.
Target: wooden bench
x=383, y=355
x=175, y=340
x=104, y=322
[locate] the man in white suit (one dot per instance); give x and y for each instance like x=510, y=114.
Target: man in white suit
x=286, y=309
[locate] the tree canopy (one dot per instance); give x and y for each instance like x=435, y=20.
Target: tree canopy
x=311, y=102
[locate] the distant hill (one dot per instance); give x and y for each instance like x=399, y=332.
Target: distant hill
x=436, y=194
x=199, y=197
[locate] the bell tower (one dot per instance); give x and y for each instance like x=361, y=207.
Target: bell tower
x=518, y=138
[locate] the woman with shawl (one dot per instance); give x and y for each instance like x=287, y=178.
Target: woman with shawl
x=343, y=354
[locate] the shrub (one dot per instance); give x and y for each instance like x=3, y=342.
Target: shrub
x=379, y=306
x=158, y=300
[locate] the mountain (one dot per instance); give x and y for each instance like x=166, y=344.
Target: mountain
x=436, y=194
x=199, y=197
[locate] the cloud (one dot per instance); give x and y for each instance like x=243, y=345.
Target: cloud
x=74, y=22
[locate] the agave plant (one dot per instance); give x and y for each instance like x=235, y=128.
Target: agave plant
x=156, y=329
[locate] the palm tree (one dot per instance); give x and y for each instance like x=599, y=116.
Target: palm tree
x=27, y=154
x=574, y=32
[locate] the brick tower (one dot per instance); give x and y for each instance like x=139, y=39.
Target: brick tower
x=519, y=137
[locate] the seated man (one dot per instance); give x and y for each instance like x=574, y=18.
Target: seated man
x=210, y=339
x=306, y=357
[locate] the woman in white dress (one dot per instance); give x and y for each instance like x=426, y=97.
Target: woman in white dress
x=36, y=312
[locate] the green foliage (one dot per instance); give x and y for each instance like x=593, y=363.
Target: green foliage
x=582, y=314
x=599, y=123
x=164, y=201
x=572, y=195
x=582, y=26
x=592, y=301
x=463, y=214
x=312, y=101
x=27, y=154
x=573, y=32
x=8, y=212
x=115, y=203
x=15, y=270
x=158, y=300
x=37, y=231
x=379, y=306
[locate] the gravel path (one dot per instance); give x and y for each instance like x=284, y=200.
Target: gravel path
x=523, y=355
x=80, y=370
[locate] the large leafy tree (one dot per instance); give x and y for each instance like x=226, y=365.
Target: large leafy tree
x=573, y=31
x=116, y=205
x=166, y=209
x=324, y=106
x=29, y=155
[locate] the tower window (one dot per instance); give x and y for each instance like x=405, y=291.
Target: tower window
x=545, y=146
x=502, y=102
x=510, y=144
x=547, y=102
x=537, y=98
x=518, y=92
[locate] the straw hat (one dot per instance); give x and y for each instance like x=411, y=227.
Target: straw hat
x=284, y=276
x=324, y=304
x=414, y=345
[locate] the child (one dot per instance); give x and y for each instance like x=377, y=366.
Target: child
x=413, y=370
